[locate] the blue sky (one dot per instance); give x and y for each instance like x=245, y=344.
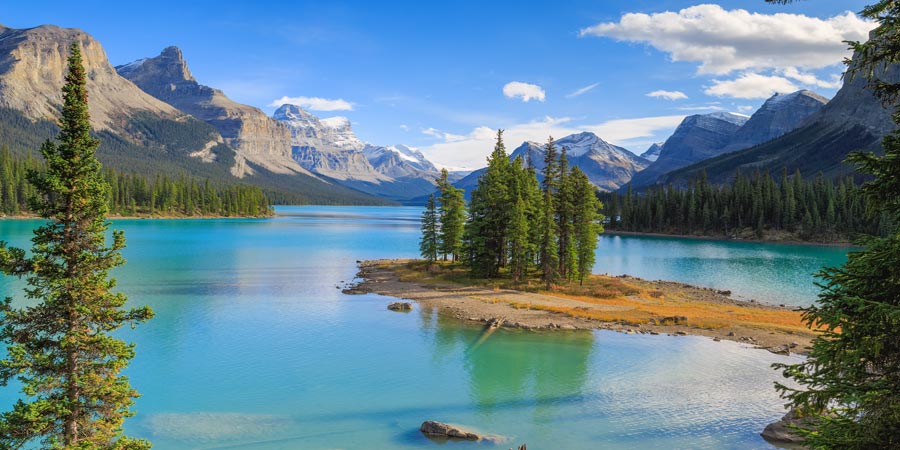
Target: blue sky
x=441, y=76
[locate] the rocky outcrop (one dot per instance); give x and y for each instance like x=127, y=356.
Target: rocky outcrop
x=255, y=136
x=607, y=166
x=327, y=146
x=780, y=114
x=697, y=138
x=782, y=431
x=652, y=153
x=400, y=306
x=32, y=70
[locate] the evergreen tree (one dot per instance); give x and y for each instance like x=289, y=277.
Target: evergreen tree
x=452, y=217
x=586, y=227
x=428, y=244
x=549, y=247
x=61, y=348
x=850, y=382
x=564, y=214
x=489, y=212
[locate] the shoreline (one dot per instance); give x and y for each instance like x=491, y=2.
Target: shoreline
x=147, y=217
x=555, y=311
x=727, y=239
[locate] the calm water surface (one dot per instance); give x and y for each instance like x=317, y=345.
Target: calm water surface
x=253, y=347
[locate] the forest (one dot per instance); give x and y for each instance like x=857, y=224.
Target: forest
x=755, y=206
x=133, y=194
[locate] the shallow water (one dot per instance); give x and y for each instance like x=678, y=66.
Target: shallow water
x=254, y=347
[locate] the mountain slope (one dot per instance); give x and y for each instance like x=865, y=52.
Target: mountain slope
x=139, y=133
x=779, y=115
x=853, y=120
x=254, y=136
x=698, y=137
x=607, y=166
x=399, y=161
x=652, y=153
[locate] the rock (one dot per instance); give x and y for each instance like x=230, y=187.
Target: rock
x=400, y=306
x=716, y=339
x=730, y=334
x=724, y=292
x=567, y=327
x=779, y=432
x=438, y=429
x=780, y=349
x=680, y=333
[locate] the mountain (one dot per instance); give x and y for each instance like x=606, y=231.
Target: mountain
x=652, y=153
x=853, y=120
x=698, y=137
x=139, y=133
x=254, y=136
x=607, y=166
x=780, y=114
x=329, y=147
x=399, y=161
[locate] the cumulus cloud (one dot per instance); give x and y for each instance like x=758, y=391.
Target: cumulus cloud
x=723, y=41
x=668, y=95
x=471, y=150
x=751, y=85
x=447, y=137
x=524, y=91
x=315, y=103
x=810, y=79
x=582, y=90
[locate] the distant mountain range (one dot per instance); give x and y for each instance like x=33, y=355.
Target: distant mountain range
x=154, y=117
x=607, y=166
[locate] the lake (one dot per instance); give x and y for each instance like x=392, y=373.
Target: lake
x=254, y=347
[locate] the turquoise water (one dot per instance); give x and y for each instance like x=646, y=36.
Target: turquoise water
x=253, y=347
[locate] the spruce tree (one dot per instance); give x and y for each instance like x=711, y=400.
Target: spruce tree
x=489, y=211
x=586, y=227
x=452, y=217
x=61, y=349
x=564, y=213
x=428, y=244
x=549, y=247
x=850, y=383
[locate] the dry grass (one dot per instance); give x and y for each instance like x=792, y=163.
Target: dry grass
x=610, y=299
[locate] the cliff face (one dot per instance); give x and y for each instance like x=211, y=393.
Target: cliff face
x=32, y=71
x=779, y=115
x=254, y=136
x=327, y=146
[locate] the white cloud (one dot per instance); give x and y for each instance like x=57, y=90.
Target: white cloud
x=448, y=137
x=723, y=41
x=470, y=151
x=404, y=127
x=315, y=103
x=582, y=90
x=745, y=108
x=810, y=79
x=751, y=85
x=668, y=95
x=710, y=107
x=524, y=91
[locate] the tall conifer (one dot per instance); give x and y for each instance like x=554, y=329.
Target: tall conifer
x=61, y=349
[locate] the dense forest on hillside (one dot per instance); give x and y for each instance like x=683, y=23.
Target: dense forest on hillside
x=755, y=206
x=132, y=194
x=165, y=150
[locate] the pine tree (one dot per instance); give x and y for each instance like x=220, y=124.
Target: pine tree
x=586, y=227
x=61, y=349
x=428, y=244
x=564, y=213
x=549, y=247
x=452, y=217
x=489, y=211
x=850, y=382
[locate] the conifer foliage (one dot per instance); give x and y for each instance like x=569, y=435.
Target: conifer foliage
x=514, y=222
x=849, y=385
x=60, y=348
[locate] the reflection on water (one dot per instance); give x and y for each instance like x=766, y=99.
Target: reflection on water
x=253, y=347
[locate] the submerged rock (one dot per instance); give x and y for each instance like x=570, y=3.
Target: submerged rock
x=400, y=306
x=438, y=429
